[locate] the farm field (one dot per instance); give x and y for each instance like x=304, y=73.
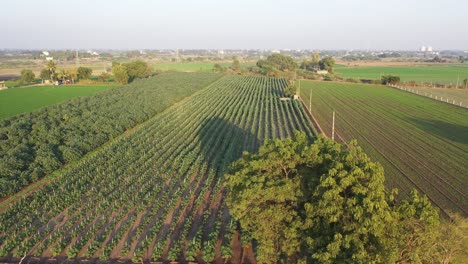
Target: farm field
x=442, y=74
x=156, y=192
x=23, y=100
x=421, y=143
x=455, y=96
x=35, y=144
x=194, y=66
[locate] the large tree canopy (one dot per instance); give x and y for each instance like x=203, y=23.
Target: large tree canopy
x=128, y=72
x=326, y=203
x=278, y=62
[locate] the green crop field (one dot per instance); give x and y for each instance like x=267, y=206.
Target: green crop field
x=442, y=74
x=454, y=96
x=156, y=192
x=422, y=143
x=22, y=100
x=193, y=66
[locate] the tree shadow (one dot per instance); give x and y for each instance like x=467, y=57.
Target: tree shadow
x=453, y=132
x=223, y=142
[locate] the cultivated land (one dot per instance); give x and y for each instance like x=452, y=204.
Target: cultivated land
x=442, y=74
x=157, y=191
x=455, y=96
x=22, y=100
x=421, y=143
x=37, y=143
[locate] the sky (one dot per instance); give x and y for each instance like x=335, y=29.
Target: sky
x=235, y=24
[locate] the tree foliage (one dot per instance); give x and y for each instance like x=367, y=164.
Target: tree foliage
x=235, y=65
x=327, y=64
x=51, y=67
x=390, y=79
x=45, y=74
x=218, y=68
x=27, y=76
x=84, y=72
x=137, y=69
x=120, y=73
x=277, y=62
x=326, y=203
x=128, y=72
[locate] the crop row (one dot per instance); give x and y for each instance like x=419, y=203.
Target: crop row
x=418, y=141
x=156, y=193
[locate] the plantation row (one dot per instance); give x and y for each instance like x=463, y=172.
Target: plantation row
x=35, y=144
x=157, y=193
x=421, y=143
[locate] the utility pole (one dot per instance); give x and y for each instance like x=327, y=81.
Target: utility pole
x=333, y=126
x=310, y=102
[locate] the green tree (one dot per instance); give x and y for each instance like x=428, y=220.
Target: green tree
x=120, y=73
x=390, y=79
x=63, y=74
x=73, y=74
x=137, y=69
x=291, y=89
x=314, y=64
x=275, y=63
x=235, y=65
x=326, y=203
x=84, y=72
x=27, y=76
x=264, y=193
x=104, y=77
x=51, y=67
x=218, y=68
x=327, y=64
x=45, y=74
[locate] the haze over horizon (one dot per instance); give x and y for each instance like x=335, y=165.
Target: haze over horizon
x=209, y=24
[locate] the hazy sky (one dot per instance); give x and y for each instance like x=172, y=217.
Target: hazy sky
x=274, y=24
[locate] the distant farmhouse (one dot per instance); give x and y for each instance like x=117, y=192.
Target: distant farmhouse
x=46, y=55
x=321, y=72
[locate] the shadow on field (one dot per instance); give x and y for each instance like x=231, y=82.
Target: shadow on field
x=454, y=132
x=223, y=142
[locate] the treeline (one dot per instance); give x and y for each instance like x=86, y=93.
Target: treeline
x=35, y=144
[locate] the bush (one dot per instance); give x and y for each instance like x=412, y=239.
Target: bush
x=390, y=79
x=328, y=77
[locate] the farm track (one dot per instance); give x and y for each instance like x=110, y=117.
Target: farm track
x=156, y=193
x=398, y=129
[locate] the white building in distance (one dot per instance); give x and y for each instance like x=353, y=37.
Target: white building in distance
x=423, y=49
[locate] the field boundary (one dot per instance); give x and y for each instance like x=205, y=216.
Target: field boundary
x=312, y=118
x=416, y=92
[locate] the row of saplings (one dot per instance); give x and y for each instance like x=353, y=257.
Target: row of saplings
x=326, y=203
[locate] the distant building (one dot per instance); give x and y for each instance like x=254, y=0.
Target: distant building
x=322, y=72
x=429, y=49
x=49, y=58
x=3, y=85
x=45, y=53
x=423, y=49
